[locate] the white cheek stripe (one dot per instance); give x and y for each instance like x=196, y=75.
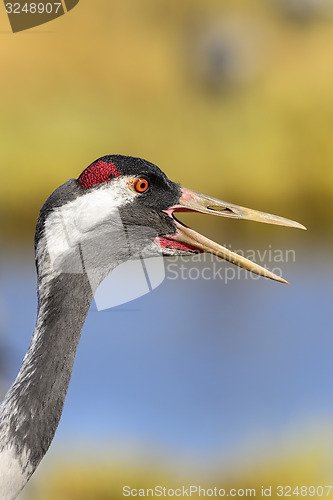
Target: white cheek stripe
x=68, y=226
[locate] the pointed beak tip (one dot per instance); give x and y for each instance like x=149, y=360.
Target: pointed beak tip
x=297, y=225
x=281, y=280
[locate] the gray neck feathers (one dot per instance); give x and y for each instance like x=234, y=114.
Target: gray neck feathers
x=67, y=280
x=32, y=408
x=31, y=411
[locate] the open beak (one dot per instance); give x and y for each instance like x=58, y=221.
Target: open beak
x=191, y=201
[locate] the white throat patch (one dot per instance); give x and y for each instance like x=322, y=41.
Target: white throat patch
x=85, y=218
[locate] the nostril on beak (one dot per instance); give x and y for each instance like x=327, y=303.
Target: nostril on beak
x=216, y=208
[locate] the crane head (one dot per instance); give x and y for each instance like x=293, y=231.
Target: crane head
x=145, y=198
x=122, y=207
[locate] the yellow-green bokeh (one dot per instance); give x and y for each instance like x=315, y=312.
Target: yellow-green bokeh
x=126, y=77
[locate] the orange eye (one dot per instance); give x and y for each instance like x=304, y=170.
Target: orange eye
x=141, y=185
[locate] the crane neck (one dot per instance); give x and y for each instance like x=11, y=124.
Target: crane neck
x=31, y=411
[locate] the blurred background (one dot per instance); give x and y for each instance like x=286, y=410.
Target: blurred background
x=232, y=99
